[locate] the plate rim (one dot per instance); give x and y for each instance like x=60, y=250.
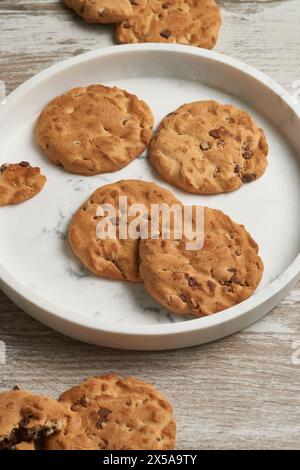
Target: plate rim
x=288, y=276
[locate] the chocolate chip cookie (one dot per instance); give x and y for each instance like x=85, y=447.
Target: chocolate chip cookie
x=226, y=271
x=101, y=11
x=115, y=414
x=19, y=182
x=172, y=21
x=114, y=258
x=26, y=420
x=206, y=147
x=94, y=130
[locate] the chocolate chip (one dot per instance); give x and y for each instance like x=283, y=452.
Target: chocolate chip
x=103, y=414
x=237, y=168
x=211, y=285
x=215, y=133
x=3, y=167
x=192, y=282
x=126, y=25
x=165, y=6
x=83, y=401
x=26, y=420
x=16, y=387
x=166, y=33
x=247, y=154
x=24, y=164
x=183, y=298
x=205, y=145
x=134, y=2
x=225, y=283
x=248, y=177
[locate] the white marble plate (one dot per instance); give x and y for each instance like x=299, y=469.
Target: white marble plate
x=37, y=268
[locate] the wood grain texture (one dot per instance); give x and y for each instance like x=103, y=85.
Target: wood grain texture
x=240, y=392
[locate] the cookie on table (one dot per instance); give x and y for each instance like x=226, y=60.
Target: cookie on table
x=26, y=419
x=226, y=271
x=113, y=258
x=101, y=11
x=94, y=130
x=115, y=414
x=19, y=182
x=206, y=147
x=172, y=21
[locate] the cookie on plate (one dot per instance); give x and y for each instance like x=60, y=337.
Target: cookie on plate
x=172, y=21
x=113, y=258
x=226, y=271
x=116, y=414
x=94, y=130
x=206, y=147
x=26, y=419
x=19, y=182
x=101, y=11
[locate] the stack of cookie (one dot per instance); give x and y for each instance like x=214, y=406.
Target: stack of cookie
x=102, y=413
x=194, y=22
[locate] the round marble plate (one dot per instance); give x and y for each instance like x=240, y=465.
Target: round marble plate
x=37, y=268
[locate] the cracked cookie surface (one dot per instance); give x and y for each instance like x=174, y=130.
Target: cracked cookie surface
x=26, y=419
x=113, y=258
x=172, y=21
x=101, y=11
x=226, y=271
x=94, y=130
x=206, y=147
x=19, y=182
x=116, y=414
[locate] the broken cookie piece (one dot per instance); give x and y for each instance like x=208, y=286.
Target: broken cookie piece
x=19, y=182
x=26, y=419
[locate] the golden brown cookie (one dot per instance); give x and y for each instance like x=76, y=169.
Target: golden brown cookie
x=101, y=11
x=19, y=182
x=116, y=414
x=26, y=419
x=94, y=130
x=113, y=258
x=172, y=21
x=206, y=147
x=226, y=271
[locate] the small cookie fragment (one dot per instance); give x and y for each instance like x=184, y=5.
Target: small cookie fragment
x=26, y=419
x=19, y=182
x=94, y=130
x=113, y=258
x=172, y=21
x=101, y=11
x=206, y=148
x=110, y=413
x=226, y=271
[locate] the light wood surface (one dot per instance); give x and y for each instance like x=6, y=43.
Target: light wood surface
x=240, y=392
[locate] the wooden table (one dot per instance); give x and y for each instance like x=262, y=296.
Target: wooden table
x=241, y=392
